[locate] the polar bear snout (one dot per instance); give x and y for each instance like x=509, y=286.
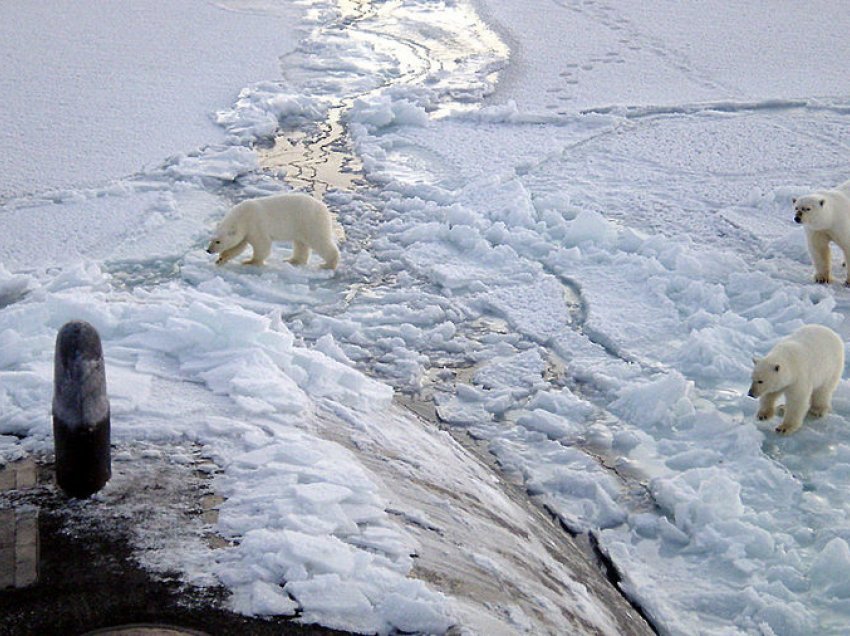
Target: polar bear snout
x=756, y=389
x=798, y=218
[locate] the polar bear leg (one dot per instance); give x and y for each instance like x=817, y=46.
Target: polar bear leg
x=822, y=397
x=820, y=403
x=329, y=252
x=797, y=403
x=237, y=249
x=767, y=404
x=819, y=249
x=262, y=249
x=300, y=253
x=846, y=249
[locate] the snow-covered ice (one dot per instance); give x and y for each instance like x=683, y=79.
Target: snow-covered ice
x=575, y=231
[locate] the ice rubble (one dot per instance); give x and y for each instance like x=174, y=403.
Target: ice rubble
x=714, y=525
x=669, y=329
x=304, y=510
x=665, y=334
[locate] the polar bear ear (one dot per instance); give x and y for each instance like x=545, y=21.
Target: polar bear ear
x=756, y=359
x=794, y=201
x=822, y=201
x=776, y=368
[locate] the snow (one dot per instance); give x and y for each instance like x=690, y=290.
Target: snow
x=575, y=234
x=125, y=88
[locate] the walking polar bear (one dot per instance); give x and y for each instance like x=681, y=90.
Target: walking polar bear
x=805, y=366
x=295, y=217
x=826, y=217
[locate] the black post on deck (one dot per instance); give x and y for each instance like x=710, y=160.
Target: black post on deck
x=80, y=411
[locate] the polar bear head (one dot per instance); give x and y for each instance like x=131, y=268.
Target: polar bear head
x=228, y=234
x=813, y=211
x=770, y=374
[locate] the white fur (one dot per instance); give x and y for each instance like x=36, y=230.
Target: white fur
x=805, y=366
x=295, y=217
x=826, y=217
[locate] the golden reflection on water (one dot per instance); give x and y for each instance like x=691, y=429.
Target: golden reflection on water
x=305, y=164
x=445, y=47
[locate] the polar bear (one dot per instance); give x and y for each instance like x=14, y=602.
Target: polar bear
x=806, y=366
x=295, y=217
x=826, y=217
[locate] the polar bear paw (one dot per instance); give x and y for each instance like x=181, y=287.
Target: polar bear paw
x=786, y=428
x=822, y=279
x=818, y=411
x=765, y=414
